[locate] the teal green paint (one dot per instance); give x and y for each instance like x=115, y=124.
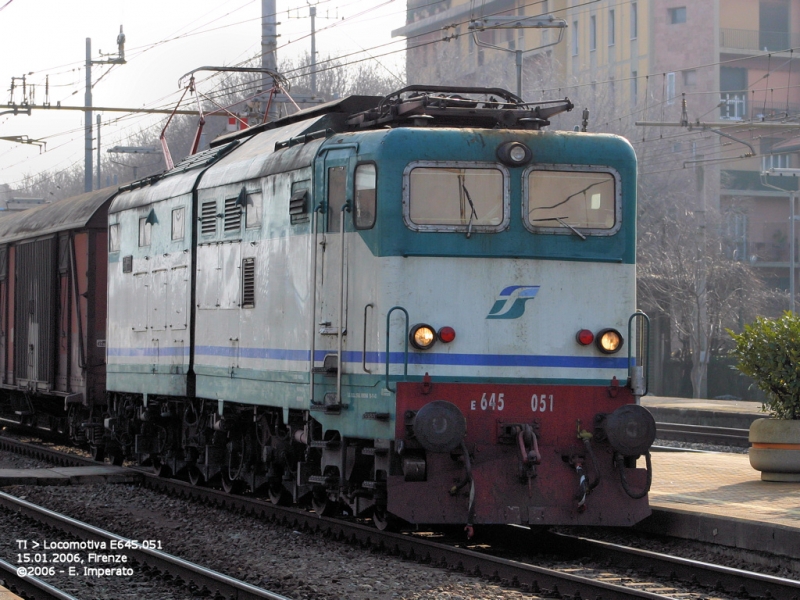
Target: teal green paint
x=358, y=398
x=146, y=383
x=392, y=150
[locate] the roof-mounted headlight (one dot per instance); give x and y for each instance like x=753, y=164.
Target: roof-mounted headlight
x=514, y=154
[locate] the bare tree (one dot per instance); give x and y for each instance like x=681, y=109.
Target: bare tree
x=688, y=271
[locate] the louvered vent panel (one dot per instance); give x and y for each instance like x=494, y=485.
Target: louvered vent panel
x=233, y=215
x=249, y=283
x=208, y=218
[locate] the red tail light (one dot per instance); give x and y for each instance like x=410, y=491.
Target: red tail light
x=447, y=334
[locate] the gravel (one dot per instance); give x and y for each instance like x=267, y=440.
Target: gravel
x=302, y=565
x=297, y=564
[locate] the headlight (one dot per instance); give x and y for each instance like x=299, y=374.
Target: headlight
x=609, y=341
x=422, y=336
x=514, y=154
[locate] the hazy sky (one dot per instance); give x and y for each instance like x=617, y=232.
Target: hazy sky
x=165, y=39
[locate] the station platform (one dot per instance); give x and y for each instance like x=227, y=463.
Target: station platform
x=68, y=476
x=719, y=498
x=735, y=414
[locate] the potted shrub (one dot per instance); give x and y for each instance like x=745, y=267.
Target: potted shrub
x=768, y=351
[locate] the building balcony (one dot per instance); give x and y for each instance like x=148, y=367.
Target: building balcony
x=740, y=180
x=770, y=254
x=754, y=40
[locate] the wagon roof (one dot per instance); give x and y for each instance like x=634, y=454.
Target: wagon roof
x=70, y=213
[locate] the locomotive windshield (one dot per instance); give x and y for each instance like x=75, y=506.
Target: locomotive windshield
x=456, y=198
x=562, y=201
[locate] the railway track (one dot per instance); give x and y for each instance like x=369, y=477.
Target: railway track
x=508, y=572
x=701, y=434
x=29, y=587
x=204, y=578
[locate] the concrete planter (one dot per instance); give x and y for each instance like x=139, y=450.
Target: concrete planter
x=775, y=449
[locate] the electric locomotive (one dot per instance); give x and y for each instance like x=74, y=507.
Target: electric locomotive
x=415, y=308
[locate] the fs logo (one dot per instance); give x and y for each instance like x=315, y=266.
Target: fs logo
x=510, y=304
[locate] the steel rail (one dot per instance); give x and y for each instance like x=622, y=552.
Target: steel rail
x=215, y=582
x=719, y=578
x=702, y=434
x=509, y=572
x=30, y=587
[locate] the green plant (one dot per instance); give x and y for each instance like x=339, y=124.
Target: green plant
x=768, y=350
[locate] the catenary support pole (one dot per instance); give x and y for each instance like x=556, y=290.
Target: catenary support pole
x=312, y=11
x=269, y=48
x=99, y=181
x=87, y=128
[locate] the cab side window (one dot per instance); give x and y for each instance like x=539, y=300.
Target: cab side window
x=365, y=195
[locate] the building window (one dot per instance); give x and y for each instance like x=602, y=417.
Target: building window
x=774, y=161
x=634, y=21
x=634, y=88
x=690, y=78
x=592, y=33
x=677, y=15
x=612, y=28
x=670, y=88
x=574, y=38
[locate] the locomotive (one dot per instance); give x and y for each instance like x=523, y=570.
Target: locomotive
x=417, y=308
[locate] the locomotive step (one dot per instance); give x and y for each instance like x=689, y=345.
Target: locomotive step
x=323, y=480
x=374, y=451
x=325, y=444
x=374, y=485
x=377, y=416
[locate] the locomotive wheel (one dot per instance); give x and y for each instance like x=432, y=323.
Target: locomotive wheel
x=279, y=496
x=384, y=520
x=231, y=486
x=160, y=469
x=116, y=456
x=195, y=476
x=98, y=452
x=322, y=504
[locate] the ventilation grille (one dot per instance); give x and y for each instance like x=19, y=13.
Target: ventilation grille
x=208, y=218
x=249, y=283
x=233, y=215
x=298, y=211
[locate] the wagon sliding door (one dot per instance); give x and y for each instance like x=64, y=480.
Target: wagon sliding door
x=34, y=311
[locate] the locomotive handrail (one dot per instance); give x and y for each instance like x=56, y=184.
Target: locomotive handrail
x=643, y=350
x=342, y=288
x=313, y=297
x=364, y=345
x=405, y=370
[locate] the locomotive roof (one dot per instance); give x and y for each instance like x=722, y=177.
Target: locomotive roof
x=64, y=215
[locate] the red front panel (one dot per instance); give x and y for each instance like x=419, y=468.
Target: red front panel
x=503, y=491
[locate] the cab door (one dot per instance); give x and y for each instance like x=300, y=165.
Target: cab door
x=334, y=173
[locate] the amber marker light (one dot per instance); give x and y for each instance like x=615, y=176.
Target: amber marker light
x=422, y=336
x=609, y=341
x=447, y=334
x=584, y=337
